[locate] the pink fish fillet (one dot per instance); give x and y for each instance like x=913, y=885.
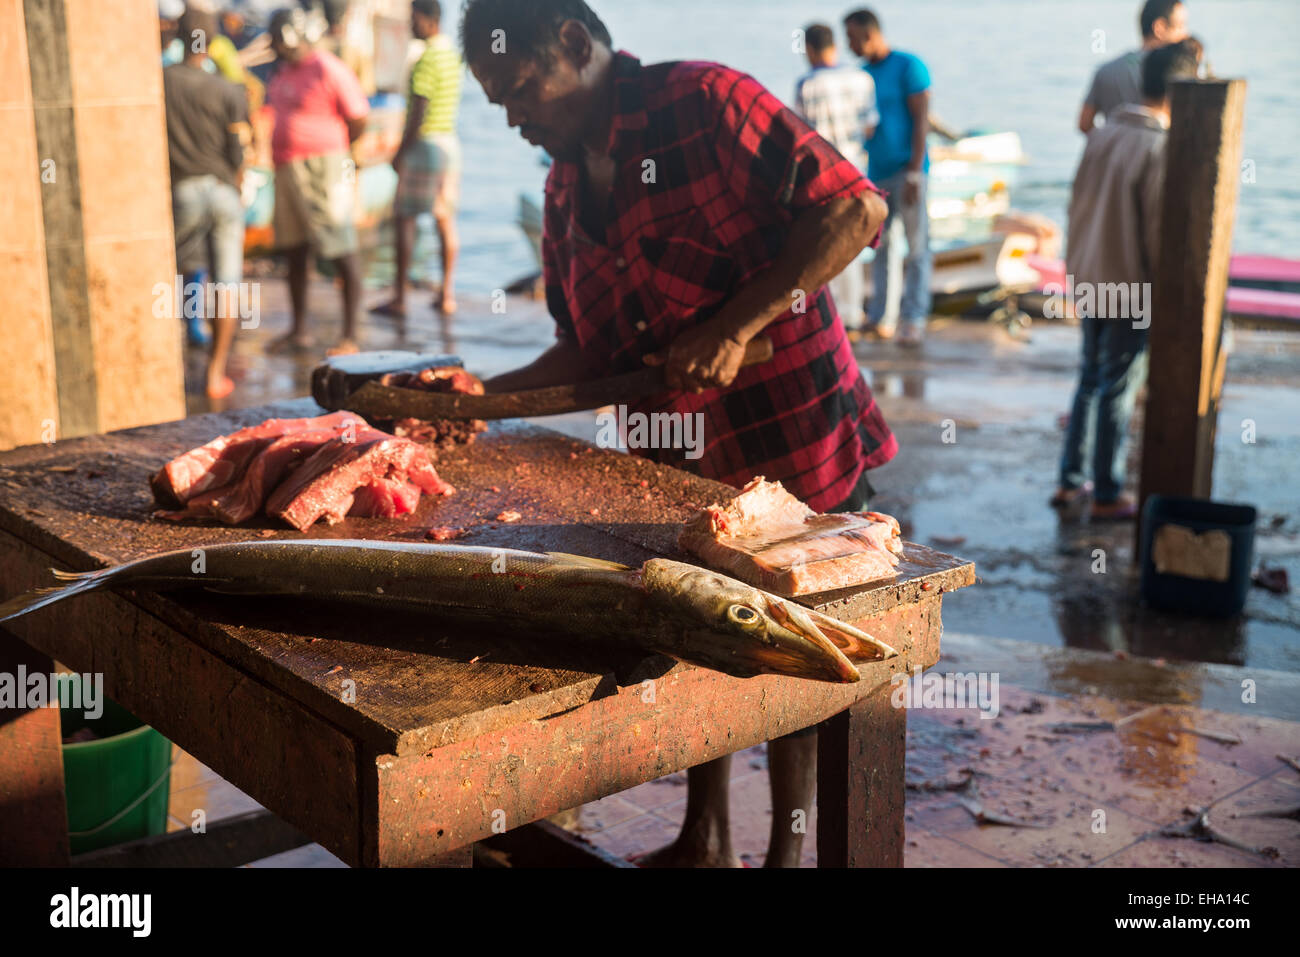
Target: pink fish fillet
x=223, y=460
x=325, y=484
x=385, y=498
x=243, y=500
x=768, y=538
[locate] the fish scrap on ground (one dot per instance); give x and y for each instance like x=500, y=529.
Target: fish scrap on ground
x=689, y=613
x=1201, y=828
x=970, y=800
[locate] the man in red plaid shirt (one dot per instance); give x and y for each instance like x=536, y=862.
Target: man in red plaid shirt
x=688, y=211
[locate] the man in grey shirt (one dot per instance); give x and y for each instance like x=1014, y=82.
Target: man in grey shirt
x=1110, y=263
x=1120, y=81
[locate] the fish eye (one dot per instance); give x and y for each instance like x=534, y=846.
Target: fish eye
x=742, y=614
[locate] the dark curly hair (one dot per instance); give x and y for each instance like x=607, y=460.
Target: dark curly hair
x=531, y=28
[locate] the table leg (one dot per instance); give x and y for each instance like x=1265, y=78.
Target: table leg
x=33, y=809
x=460, y=857
x=860, y=761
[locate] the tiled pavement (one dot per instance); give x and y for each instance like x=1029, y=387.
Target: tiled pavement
x=1100, y=795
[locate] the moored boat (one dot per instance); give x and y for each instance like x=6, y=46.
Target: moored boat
x=1264, y=289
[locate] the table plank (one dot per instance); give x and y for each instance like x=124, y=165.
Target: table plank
x=290, y=759
x=421, y=805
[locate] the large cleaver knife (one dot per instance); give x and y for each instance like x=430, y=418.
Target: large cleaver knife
x=335, y=379
x=376, y=401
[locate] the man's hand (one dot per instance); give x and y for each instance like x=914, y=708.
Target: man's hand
x=700, y=358
x=911, y=192
x=1087, y=118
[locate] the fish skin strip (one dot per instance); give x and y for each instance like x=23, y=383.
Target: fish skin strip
x=690, y=613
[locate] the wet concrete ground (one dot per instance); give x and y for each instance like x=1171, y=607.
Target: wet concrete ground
x=1051, y=781
x=978, y=418
x=989, y=489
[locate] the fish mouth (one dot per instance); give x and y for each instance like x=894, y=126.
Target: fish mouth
x=801, y=647
x=805, y=627
x=789, y=639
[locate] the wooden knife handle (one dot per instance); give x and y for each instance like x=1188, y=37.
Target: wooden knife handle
x=757, y=351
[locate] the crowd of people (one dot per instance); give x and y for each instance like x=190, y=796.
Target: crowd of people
x=317, y=89
x=874, y=112
x=871, y=106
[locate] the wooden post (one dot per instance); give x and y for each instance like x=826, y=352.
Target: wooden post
x=91, y=343
x=861, y=755
x=1202, y=170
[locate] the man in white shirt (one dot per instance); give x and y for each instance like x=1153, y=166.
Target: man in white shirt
x=839, y=102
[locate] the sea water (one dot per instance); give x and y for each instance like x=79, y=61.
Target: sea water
x=1020, y=65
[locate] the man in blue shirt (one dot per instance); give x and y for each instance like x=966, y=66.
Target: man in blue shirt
x=897, y=163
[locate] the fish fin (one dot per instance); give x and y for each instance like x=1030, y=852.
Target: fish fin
x=40, y=597
x=587, y=562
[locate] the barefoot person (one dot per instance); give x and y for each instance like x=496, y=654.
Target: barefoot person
x=428, y=159
x=1114, y=240
x=687, y=211
x=207, y=129
x=319, y=112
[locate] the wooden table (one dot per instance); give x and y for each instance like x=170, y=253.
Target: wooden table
x=392, y=741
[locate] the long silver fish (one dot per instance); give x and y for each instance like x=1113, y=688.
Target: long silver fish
x=684, y=611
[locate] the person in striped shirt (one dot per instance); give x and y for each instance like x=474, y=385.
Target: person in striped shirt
x=839, y=102
x=428, y=160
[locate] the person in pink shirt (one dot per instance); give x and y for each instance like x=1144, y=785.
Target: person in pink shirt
x=320, y=111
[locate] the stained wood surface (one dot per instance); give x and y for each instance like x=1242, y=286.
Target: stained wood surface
x=228, y=842
x=85, y=503
x=33, y=805
x=257, y=737
x=860, y=790
x=1203, y=168
x=425, y=804
x=56, y=139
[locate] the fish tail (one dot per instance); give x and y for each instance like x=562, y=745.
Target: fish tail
x=40, y=597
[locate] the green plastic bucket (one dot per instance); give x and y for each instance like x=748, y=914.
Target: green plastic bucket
x=118, y=784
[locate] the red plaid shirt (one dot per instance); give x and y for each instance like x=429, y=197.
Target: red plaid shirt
x=731, y=169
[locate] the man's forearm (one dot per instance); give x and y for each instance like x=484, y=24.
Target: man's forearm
x=562, y=363
x=414, y=120
x=920, y=129
x=919, y=106
x=822, y=242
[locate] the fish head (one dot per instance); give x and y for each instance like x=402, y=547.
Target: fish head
x=725, y=624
